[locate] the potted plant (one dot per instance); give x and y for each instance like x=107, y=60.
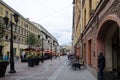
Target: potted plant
x=30, y=60
x=3, y=66
x=36, y=58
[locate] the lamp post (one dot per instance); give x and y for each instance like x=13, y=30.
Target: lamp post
x=6, y=20
x=51, y=51
x=42, y=51
x=51, y=47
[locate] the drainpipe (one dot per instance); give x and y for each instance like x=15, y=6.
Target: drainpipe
x=81, y=29
x=119, y=41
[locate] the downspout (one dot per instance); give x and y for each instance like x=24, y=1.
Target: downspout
x=73, y=27
x=119, y=40
x=81, y=30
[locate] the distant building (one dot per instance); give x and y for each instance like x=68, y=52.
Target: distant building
x=65, y=49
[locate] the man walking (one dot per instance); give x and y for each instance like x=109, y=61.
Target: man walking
x=101, y=66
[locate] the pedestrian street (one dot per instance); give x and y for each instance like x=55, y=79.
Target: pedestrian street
x=55, y=69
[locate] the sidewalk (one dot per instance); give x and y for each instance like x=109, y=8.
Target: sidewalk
x=56, y=69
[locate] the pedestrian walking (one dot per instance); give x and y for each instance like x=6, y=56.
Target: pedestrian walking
x=51, y=56
x=59, y=56
x=5, y=57
x=101, y=66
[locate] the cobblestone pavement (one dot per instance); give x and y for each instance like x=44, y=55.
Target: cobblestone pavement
x=55, y=69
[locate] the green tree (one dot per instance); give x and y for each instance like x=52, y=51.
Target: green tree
x=2, y=33
x=31, y=40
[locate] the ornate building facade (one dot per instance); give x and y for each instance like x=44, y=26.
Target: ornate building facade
x=100, y=32
x=21, y=31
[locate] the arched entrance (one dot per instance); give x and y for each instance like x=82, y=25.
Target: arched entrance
x=108, y=43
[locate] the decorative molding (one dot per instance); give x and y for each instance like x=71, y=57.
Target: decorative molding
x=113, y=9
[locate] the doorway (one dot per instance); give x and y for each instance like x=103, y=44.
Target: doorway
x=108, y=43
x=116, y=56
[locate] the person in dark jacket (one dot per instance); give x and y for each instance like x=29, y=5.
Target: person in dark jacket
x=101, y=66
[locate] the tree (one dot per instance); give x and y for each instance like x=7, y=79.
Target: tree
x=2, y=33
x=31, y=40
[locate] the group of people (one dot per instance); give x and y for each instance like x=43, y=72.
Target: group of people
x=77, y=61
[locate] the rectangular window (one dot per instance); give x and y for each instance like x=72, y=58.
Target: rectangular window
x=1, y=10
x=15, y=29
x=14, y=51
x=11, y=16
x=19, y=22
x=90, y=4
x=84, y=52
x=22, y=23
x=19, y=30
x=85, y=17
x=6, y=13
x=89, y=52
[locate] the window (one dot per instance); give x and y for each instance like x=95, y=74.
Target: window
x=83, y=2
x=90, y=4
x=14, y=51
x=6, y=13
x=14, y=37
x=11, y=16
x=1, y=10
x=89, y=51
x=91, y=11
x=15, y=29
x=22, y=23
x=19, y=30
x=19, y=22
x=6, y=37
x=85, y=17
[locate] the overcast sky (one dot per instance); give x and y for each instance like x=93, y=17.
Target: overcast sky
x=53, y=15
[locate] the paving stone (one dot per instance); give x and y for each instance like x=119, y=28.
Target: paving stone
x=56, y=69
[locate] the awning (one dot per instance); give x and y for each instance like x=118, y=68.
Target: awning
x=29, y=49
x=48, y=51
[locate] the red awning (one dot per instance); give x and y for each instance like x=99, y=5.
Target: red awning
x=47, y=51
x=28, y=49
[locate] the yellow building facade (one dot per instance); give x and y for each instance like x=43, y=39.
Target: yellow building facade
x=20, y=32
x=82, y=12
x=23, y=28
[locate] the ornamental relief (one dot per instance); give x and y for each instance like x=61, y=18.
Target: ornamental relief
x=113, y=9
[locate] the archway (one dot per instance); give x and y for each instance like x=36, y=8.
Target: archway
x=108, y=43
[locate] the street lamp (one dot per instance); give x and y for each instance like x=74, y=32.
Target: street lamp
x=51, y=51
x=42, y=51
x=6, y=20
x=51, y=47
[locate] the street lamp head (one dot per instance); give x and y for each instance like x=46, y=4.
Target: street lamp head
x=6, y=19
x=16, y=17
x=38, y=36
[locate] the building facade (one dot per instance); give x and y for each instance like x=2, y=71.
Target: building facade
x=20, y=32
x=100, y=32
x=50, y=42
